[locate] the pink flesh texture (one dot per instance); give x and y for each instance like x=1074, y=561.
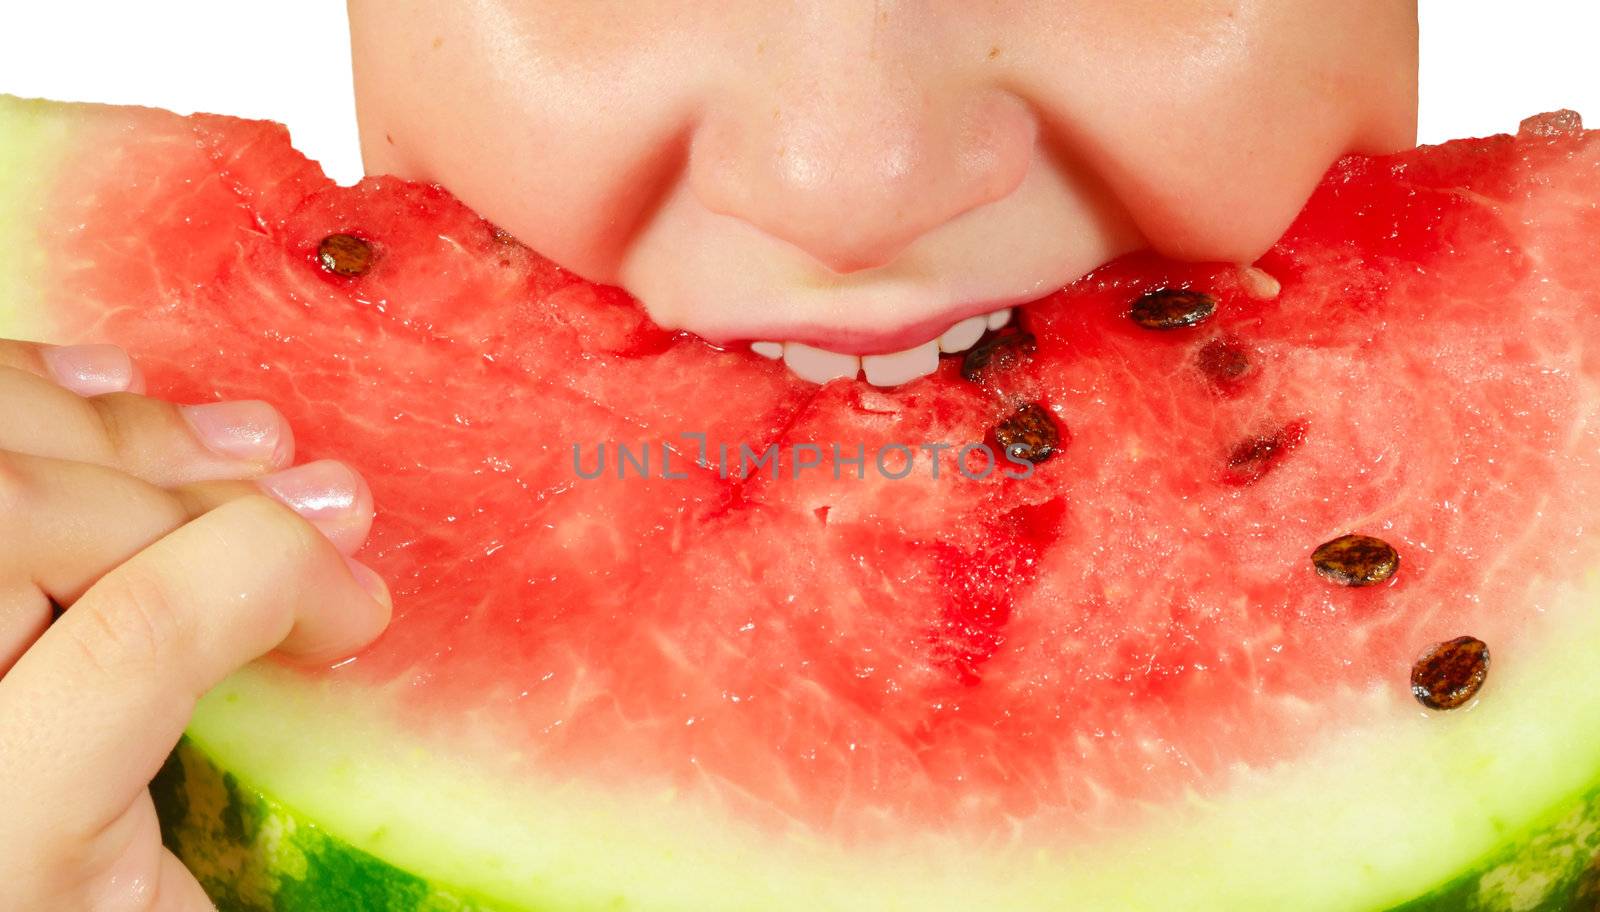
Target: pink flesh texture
x=850, y=655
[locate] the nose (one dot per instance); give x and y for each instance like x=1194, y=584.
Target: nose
x=852, y=177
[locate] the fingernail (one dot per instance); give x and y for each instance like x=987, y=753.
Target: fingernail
x=241, y=430
x=90, y=370
x=328, y=493
x=371, y=581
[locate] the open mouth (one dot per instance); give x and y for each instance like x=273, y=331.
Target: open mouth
x=818, y=364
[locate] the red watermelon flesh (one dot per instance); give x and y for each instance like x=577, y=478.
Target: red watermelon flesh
x=1133, y=623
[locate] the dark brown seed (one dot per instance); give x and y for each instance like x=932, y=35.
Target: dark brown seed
x=1030, y=433
x=345, y=255
x=996, y=353
x=1356, y=560
x=1449, y=674
x=1224, y=362
x=1172, y=308
x=1255, y=457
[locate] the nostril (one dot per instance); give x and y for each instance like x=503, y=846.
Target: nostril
x=853, y=187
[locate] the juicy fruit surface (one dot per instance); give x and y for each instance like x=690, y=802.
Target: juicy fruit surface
x=1130, y=624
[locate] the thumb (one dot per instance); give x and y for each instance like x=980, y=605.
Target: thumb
x=93, y=708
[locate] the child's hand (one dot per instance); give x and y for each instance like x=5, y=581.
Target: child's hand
x=172, y=536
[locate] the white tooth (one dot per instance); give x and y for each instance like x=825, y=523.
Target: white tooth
x=819, y=366
x=963, y=335
x=773, y=350
x=999, y=318
x=902, y=366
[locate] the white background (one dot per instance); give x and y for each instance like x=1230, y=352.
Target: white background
x=1485, y=63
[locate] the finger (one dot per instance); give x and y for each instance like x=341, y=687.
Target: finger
x=25, y=612
x=94, y=707
x=67, y=524
x=88, y=370
x=160, y=442
x=330, y=495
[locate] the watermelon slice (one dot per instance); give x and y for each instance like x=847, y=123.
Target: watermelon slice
x=1152, y=673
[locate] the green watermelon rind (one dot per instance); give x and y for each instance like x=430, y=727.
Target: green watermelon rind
x=253, y=854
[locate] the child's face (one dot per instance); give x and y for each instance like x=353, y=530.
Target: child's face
x=862, y=175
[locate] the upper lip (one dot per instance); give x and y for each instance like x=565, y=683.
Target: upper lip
x=847, y=340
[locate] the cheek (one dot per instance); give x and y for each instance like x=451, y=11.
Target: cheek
x=1213, y=131
x=520, y=122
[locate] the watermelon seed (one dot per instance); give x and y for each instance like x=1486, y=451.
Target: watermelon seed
x=1449, y=674
x=1029, y=433
x=345, y=255
x=1172, y=308
x=1255, y=457
x=1224, y=362
x=1260, y=283
x=996, y=353
x=1356, y=560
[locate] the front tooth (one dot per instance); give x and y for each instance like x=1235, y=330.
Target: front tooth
x=999, y=318
x=817, y=365
x=902, y=366
x=773, y=350
x=963, y=335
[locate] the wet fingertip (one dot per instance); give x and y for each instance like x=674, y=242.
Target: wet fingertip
x=247, y=430
x=336, y=639
x=331, y=495
x=92, y=370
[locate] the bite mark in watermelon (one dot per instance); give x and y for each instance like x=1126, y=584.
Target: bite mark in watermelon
x=1117, y=683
